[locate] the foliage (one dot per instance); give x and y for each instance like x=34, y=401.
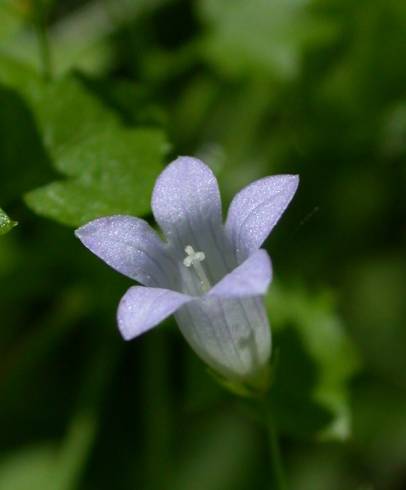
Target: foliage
x=5, y=223
x=269, y=37
x=253, y=88
x=310, y=340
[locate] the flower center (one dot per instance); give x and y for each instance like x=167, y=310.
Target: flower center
x=194, y=259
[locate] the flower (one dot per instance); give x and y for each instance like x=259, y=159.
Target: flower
x=211, y=276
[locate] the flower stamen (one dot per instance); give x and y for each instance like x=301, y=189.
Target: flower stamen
x=194, y=259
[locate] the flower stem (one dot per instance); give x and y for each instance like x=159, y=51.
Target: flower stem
x=42, y=36
x=278, y=473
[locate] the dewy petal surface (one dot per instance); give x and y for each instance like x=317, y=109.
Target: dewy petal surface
x=256, y=209
x=251, y=278
x=130, y=246
x=186, y=204
x=142, y=308
x=185, y=194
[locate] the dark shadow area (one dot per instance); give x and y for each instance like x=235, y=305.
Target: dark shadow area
x=24, y=160
x=292, y=394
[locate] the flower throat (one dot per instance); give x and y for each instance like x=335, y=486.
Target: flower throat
x=194, y=259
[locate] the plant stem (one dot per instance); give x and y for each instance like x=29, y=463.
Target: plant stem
x=42, y=36
x=278, y=473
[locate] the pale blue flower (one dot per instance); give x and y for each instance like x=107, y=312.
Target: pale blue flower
x=211, y=276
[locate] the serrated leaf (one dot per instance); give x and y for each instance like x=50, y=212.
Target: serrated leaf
x=5, y=223
x=314, y=361
x=113, y=172
x=260, y=36
x=67, y=113
x=111, y=167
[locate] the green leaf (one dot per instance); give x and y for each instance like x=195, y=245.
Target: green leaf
x=11, y=20
x=24, y=161
x=68, y=113
x=5, y=223
x=313, y=363
x=260, y=36
x=111, y=168
x=112, y=172
x=17, y=75
x=32, y=467
x=79, y=39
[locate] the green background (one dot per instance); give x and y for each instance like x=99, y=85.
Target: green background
x=95, y=98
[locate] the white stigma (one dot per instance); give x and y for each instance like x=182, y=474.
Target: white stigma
x=194, y=259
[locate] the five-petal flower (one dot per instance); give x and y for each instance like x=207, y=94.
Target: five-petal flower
x=211, y=276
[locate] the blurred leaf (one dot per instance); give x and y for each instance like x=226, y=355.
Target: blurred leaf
x=260, y=36
x=5, y=223
x=31, y=468
x=17, y=75
x=11, y=19
x=80, y=39
x=314, y=361
x=351, y=84
x=325, y=467
x=374, y=301
x=379, y=422
x=394, y=130
x=217, y=455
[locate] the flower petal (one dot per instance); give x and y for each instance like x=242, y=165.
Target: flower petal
x=185, y=200
x=231, y=335
x=251, y=278
x=256, y=209
x=142, y=308
x=130, y=246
